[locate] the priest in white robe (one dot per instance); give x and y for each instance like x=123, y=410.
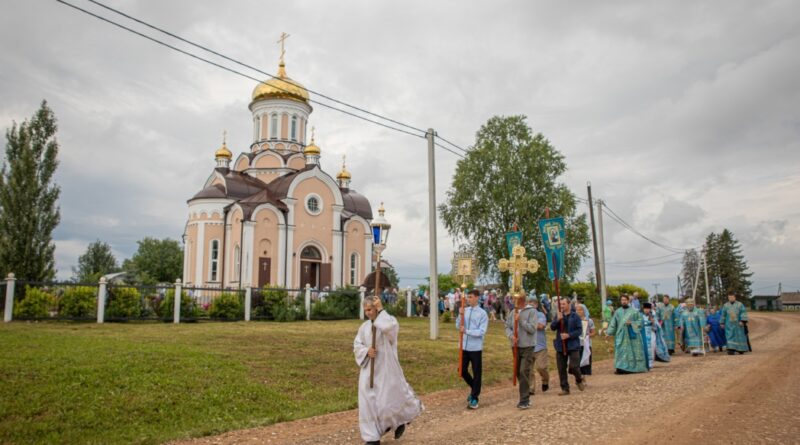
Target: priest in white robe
x=390, y=403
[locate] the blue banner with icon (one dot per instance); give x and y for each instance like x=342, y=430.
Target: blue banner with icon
x=554, y=239
x=513, y=239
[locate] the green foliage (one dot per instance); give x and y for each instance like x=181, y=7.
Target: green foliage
x=28, y=198
x=166, y=309
x=98, y=260
x=727, y=268
x=227, y=306
x=446, y=283
x=398, y=308
x=627, y=289
x=124, y=302
x=339, y=304
x=510, y=176
x=447, y=317
x=278, y=305
x=36, y=304
x=78, y=302
x=587, y=293
x=156, y=261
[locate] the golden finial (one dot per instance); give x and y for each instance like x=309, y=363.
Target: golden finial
x=312, y=134
x=283, y=38
x=223, y=151
x=381, y=210
x=224, y=137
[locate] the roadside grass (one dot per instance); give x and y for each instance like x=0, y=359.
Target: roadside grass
x=153, y=382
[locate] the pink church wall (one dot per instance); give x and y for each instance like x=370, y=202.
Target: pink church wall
x=297, y=163
x=212, y=231
x=266, y=238
x=268, y=161
x=354, y=242
x=312, y=227
x=191, y=233
x=236, y=233
x=242, y=164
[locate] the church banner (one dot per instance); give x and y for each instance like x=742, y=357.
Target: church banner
x=554, y=240
x=513, y=239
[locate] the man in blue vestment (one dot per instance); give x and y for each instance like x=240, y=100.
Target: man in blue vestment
x=734, y=320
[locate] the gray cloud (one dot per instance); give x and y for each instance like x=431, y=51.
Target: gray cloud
x=667, y=109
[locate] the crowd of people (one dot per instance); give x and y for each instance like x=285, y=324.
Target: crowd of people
x=644, y=333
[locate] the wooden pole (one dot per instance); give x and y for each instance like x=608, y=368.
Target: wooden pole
x=460, y=332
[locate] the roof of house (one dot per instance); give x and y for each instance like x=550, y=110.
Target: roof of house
x=765, y=297
x=790, y=297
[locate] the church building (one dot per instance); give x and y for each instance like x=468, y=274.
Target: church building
x=271, y=216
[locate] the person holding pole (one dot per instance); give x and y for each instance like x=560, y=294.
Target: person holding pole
x=568, y=336
x=472, y=330
x=523, y=324
x=385, y=399
x=625, y=327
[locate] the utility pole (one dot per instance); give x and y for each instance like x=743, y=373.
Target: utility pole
x=594, y=237
x=601, y=247
x=679, y=293
x=655, y=297
x=434, y=283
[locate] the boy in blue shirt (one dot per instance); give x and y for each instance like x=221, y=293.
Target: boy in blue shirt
x=476, y=322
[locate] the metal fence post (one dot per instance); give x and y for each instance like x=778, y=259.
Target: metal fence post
x=10, y=280
x=308, y=301
x=248, y=297
x=176, y=304
x=101, y=300
x=362, y=290
x=408, y=302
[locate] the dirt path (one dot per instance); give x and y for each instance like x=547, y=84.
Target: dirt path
x=752, y=398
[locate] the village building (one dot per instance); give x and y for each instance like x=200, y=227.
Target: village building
x=272, y=216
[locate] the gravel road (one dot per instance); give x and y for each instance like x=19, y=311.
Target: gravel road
x=716, y=399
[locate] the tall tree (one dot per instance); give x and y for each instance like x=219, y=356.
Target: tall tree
x=510, y=176
x=728, y=271
x=28, y=198
x=691, y=263
x=156, y=261
x=98, y=260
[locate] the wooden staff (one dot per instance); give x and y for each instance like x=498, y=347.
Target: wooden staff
x=461, y=332
x=372, y=360
x=558, y=299
x=516, y=345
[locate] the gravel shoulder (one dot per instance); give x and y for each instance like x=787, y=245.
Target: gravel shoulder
x=716, y=399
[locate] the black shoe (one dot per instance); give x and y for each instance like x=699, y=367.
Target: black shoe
x=398, y=432
x=545, y=387
x=523, y=405
x=731, y=352
x=531, y=392
x=374, y=442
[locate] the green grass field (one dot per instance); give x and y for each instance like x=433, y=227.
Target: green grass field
x=152, y=382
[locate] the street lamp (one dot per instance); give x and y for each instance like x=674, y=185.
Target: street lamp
x=380, y=234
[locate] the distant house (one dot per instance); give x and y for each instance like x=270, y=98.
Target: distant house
x=766, y=302
x=790, y=301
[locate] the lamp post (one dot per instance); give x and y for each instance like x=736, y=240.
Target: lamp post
x=380, y=234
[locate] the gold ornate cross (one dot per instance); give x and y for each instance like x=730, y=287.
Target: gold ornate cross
x=518, y=266
x=283, y=38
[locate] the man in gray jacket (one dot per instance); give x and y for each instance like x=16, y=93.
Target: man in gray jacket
x=526, y=321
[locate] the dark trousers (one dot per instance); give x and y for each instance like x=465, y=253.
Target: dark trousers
x=524, y=365
x=574, y=360
x=474, y=380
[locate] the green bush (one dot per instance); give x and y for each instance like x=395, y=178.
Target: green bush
x=226, y=307
x=447, y=317
x=36, y=304
x=167, y=307
x=79, y=302
x=279, y=306
x=125, y=303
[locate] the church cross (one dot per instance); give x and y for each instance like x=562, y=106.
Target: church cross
x=283, y=38
x=224, y=136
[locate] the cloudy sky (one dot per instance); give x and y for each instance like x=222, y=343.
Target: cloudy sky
x=685, y=117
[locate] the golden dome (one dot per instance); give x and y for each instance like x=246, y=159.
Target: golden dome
x=312, y=149
x=223, y=152
x=281, y=87
x=344, y=174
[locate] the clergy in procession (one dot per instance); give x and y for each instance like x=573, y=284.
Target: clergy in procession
x=656, y=347
x=626, y=328
x=385, y=400
x=692, y=326
x=476, y=322
x=666, y=314
x=734, y=320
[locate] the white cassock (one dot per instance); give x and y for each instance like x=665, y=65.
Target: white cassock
x=391, y=402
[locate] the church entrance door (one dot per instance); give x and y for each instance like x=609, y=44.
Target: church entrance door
x=310, y=262
x=264, y=269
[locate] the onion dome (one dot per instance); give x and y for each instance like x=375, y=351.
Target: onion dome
x=312, y=148
x=344, y=174
x=223, y=152
x=281, y=87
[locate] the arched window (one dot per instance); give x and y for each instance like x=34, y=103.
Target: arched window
x=294, y=128
x=273, y=126
x=213, y=260
x=237, y=263
x=353, y=268
x=310, y=253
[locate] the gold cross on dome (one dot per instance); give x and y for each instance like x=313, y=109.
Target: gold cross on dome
x=312, y=134
x=344, y=158
x=283, y=38
x=224, y=136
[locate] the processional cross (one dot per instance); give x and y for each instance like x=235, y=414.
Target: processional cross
x=518, y=265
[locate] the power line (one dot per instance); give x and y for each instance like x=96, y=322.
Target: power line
x=611, y=214
x=454, y=145
x=216, y=53
x=239, y=73
x=231, y=70
x=645, y=260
